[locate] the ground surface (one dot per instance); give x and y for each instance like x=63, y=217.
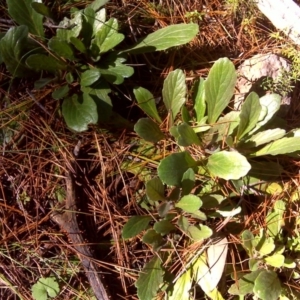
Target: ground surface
x=34, y=162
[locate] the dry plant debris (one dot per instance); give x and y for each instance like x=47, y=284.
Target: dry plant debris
x=34, y=163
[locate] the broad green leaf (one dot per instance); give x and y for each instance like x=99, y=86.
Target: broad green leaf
x=249, y=115
x=40, y=83
x=79, y=111
x=186, y=135
x=172, y=168
x=163, y=227
x=265, y=245
x=61, y=48
x=270, y=104
x=223, y=128
x=42, y=9
x=12, y=48
x=97, y=4
x=188, y=181
x=219, y=87
x=202, y=274
x=45, y=288
x=150, y=279
x=88, y=19
x=182, y=287
x=267, y=285
x=216, y=259
x=164, y=208
x=22, y=12
x=245, y=284
x=122, y=70
x=247, y=241
x=183, y=224
x=281, y=146
x=276, y=260
x=155, y=190
x=60, y=92
x=78, y=44
x=162, y=39
x=199, y=215
x=100, y=18
x=146, y=102
x=185, y=115
x=189, y=203
x=274, y=222
x=174, y=92
x=228, y=165
x=200, y=232
x=199, y=99
x=89, y=77
x=42, y=62
x=72, y=27
x=111, y=76
x=264, y=137
x=100, y=94
x=135, y=225
x=264, y=170
x=107, y=36
x=148, y=130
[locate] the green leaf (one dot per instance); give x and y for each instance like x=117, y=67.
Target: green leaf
x=163, y=227
x=162, y=39
x=78, y=44
x=274, y=222
x=249, y=115
x=219, y=87
x=270, y=104
x=135, y=225
x=22, y=12
x=174, y=92
x=264, y=137
x=12, y=48
x=223, y=128
x=146, y=102
x=60, y=92
x=264, y=245
x=188, y=181
x=199, y=99
x=182, y=287
x=107, y=36
x=189, y=203
x=228, y=165
x=216, y=259
x=42, y=62
x=95, y=5
x=73, y=27
x=164, y=208
x=202, y=274
x=281, y=146
x=186, y=135
x=100, y=18
x=61, y=48
x=276, y=260
x=247, y=241
x=148, y=130
x=150, y=279
x=155, y=190
x=245, y=284
x=100, y=94
x=79, y=111
x=42, y=9
x=185, y=115
x=183, y=224
x=44, y=288
x=89, y=77
x=172, y=168
x=267, y=285
x=200, y=232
